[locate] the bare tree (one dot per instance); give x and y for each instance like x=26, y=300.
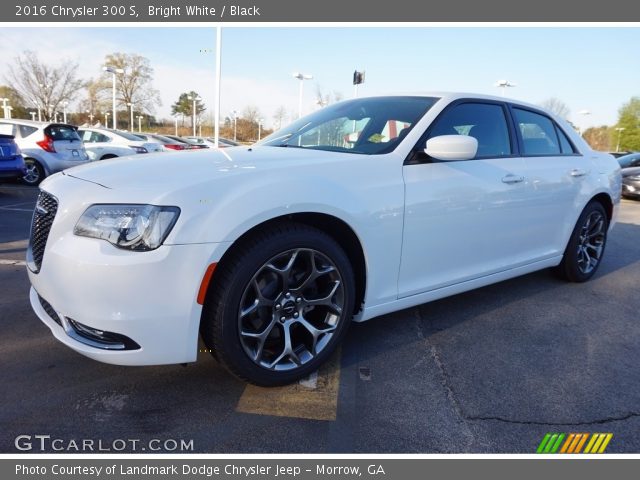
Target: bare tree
x=95, y=102
x=557, y=107
x=251, y=113
x=135, y=85
x=280, y=116
x=44, y=86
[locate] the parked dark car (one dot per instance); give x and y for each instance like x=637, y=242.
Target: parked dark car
x=191, y=145
x=629, y=160
x=631, y=182
x=12, y=166
x=167, y=142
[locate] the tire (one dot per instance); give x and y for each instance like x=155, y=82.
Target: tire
x=584, y=252
x=279, y=305
x=35, y=172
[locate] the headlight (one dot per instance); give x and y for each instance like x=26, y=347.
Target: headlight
x=131, y=227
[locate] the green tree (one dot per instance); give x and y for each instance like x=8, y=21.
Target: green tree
x=184, y=106
x=629, y=119
x=16, y=102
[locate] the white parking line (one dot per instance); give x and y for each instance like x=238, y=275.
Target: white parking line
x=12, y=262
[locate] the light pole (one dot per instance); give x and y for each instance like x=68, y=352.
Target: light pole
x=106, y=119
x=140, y=117
x=302, y=77
x=235, y=124
x=33, y=116
x=113, y=71
x=5, y=107
x=90, y=116
x=130, y=105
x=64, y=111
x=260, y=120
x=584, y=112
x=194, y=98
x=176, y=122
x=46, y=99
x=619, y=130
x=504, y=84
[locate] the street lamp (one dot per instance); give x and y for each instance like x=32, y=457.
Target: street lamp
x=504, y=84
x=235, y=124
x=260, y=120
x=64, y=111
x=131, y=120
x=140, y=117
x=90, y=114
x=302, y=77
x=619, y=130
x=176, y=122
x=195, y=98
x=33, y=116
x=113, y=71
x=5, y=107
x=106, y=119
x=584, y=112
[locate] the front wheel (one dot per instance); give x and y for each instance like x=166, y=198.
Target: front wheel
x=584, y=252
x=279, y=305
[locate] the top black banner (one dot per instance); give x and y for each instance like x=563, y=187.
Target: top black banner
x=260, y=11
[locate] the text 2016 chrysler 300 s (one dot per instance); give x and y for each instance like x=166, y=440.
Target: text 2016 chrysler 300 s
x=268, y=252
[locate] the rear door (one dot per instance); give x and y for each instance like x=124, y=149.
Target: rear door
x=558, y=174
x=66, y=142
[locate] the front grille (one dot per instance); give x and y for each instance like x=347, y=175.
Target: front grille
x=43, y=215
x=49, y=309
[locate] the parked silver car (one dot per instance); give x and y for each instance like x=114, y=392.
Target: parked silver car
x=106, y=136
x=47, y=147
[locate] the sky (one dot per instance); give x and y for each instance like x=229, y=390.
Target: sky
x=588, y=68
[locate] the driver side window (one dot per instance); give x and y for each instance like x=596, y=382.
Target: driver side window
x=484, y=121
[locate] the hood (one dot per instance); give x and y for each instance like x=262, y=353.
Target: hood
x=182, y=169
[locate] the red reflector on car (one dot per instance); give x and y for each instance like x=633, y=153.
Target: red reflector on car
x=206, y=279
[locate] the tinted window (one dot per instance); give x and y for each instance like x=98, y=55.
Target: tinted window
x=62, y=132
x=128, y=136
x=26, y=130
x=538, y=133
x=565, y=144
x=632, y=160
x=485, y=122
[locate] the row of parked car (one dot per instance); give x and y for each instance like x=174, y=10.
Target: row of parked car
x=31, y=150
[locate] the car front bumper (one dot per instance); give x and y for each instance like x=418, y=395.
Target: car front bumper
x=149, y=298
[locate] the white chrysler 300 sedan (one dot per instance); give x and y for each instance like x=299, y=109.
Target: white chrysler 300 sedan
x=268, y=252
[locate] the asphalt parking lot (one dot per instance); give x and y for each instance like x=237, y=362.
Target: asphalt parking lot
x=489, y=371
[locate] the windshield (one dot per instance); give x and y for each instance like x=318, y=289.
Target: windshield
x=128, y=136
x=368, y=126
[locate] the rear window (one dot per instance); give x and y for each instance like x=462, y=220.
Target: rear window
x=62, y=132
x=26, y=130
x=128, y=136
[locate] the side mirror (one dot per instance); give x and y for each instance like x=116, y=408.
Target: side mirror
x=452, y=147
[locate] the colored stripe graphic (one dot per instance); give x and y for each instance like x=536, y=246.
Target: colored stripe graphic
x=574, y=443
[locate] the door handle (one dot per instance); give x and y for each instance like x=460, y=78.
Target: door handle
x=512, y=179
x=578, y=172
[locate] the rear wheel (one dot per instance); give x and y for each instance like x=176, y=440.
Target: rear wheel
x=584, y=252
x=35, y=172
x=279, y=305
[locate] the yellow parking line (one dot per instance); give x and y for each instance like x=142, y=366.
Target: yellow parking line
x=300, y=400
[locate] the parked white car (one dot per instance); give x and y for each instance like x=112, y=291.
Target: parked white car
x=105, y=151
x=105, y=137
x=47, y=147
x=268, y=252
